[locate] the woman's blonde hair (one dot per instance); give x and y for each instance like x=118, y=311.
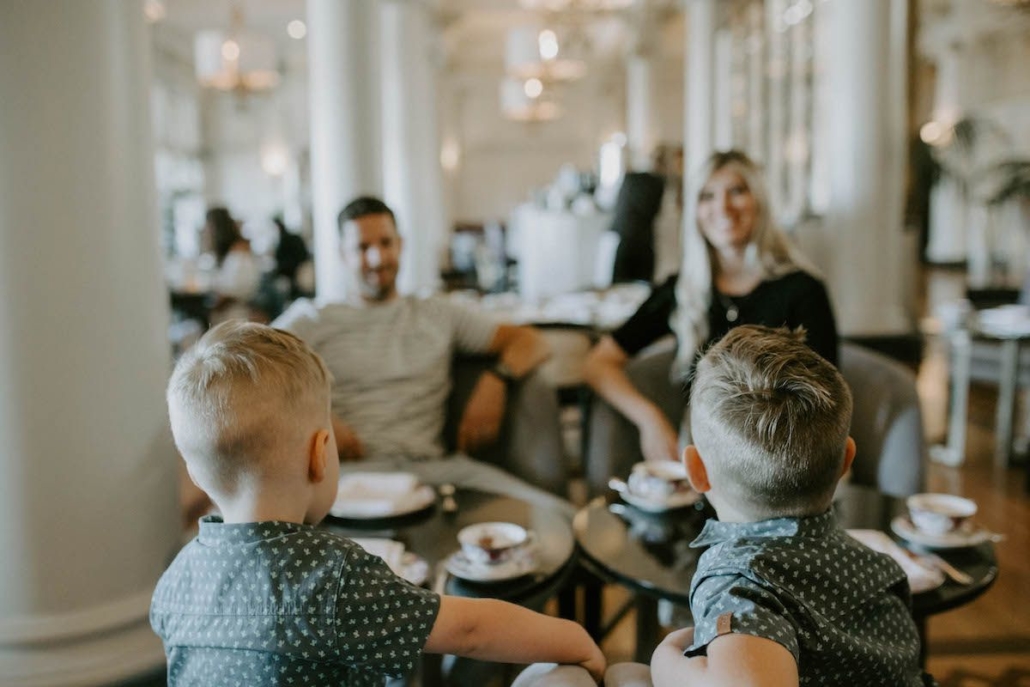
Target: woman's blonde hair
x=770, y=250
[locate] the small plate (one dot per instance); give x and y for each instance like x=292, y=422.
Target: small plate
x=420, y=498
x=522, y=563
x=677, y=500
x=414, y=569
x=959, y=539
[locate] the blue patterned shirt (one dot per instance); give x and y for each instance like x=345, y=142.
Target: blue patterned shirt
x=841, y=609
x=276, y=603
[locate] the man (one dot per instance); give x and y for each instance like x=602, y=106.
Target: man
x=391, y=357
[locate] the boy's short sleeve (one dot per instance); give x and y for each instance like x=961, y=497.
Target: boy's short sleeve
x=382, y=620
x=727, y=604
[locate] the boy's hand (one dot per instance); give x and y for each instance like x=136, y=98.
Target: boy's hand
x=596, y=664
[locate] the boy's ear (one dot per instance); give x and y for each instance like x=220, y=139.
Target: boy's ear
x=697, y=473
x=849, y=455
x=317, y=455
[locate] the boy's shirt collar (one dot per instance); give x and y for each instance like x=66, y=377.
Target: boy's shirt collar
x=717, y=532
x=213, y=530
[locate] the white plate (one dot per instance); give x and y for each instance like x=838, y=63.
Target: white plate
x=677, y=500
x=521, y=563
x=422, y=497
x=958, y=539
x=414, y=569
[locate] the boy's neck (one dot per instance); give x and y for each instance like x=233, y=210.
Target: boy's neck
x=254, y=505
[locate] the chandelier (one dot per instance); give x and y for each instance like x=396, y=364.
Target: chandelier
x=527, y=101
x=576, y=5
x=236, y=60
x=535, y=53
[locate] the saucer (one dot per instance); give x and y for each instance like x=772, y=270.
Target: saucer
x=957, y=539
x=680, y=499
x=521, y=563
x=420, y=498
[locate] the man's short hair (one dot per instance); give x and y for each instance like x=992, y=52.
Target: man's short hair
x=363, y=206
x=239, y=397
x=770, y=418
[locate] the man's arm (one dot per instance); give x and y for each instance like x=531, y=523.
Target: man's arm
x=733, y=660
x=520, y=350
x=492, y=630
x=348, y=444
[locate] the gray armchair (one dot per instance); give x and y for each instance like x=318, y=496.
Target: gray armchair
x=886, y=423
x=530, y=446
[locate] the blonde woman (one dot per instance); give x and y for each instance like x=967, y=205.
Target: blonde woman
x=737, y=269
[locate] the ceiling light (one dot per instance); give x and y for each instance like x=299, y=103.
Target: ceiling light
x=154, y=11
x=236, y=59
x=297, y=29
x=533, y=54
x=533, y=88
x=518, y=106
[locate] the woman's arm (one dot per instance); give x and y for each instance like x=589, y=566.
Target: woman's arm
x=605, y=372
x=492, y=630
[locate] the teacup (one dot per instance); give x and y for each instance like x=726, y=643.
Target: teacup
x=940, y=513
x=658, y=480
x=491, y=542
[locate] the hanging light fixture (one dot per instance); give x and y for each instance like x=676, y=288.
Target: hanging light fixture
x=576, y=5
x=237, y=60
x=535, y=53
x=527, y=101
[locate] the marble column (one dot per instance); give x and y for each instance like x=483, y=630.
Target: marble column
x=345, y=134
x=413, y=175
x=866, y=145
x=88, y=505
x=699, y=110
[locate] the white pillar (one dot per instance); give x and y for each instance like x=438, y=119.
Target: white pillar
x=699, y=110
x=88, y=506
x=866, y=144
x=413, y=176
x=345, y=134
x=641, y=114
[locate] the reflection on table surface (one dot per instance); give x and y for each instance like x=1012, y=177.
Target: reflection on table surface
x=433, y=535
x=650, y=553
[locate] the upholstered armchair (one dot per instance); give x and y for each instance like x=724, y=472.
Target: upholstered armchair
x=886, y=423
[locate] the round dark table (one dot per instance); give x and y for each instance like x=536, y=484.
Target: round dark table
x=650, y=554
x=433, y=535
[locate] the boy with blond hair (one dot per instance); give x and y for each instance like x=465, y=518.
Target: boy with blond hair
x=261, y=597
x=783, y=596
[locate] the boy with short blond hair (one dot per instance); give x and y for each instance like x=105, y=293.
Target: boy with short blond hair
x=783, y=596
x=261, y=597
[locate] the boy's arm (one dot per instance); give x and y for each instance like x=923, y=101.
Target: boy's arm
x=733, y=660
x=492, y=630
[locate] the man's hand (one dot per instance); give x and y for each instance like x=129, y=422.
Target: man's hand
x=481, y=423
x=658, y=440
x=348, y=444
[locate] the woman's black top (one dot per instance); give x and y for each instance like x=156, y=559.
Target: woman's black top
x=794, y=300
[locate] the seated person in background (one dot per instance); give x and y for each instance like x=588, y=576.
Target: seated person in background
x=391, y=354
x=737, y=268
x=238, y=276
x=783, y=596
x=290, y=253
x=261, y=597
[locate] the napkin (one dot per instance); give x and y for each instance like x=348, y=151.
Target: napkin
x=921, y=578
x=392, y=552
x=372, y=494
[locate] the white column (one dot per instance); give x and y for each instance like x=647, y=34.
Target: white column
x=699, y=110
x=641, y=114
x=866, y=145
x=413, y=176
x=88, y=505
x=345, y=134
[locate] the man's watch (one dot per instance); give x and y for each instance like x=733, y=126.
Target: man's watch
x=504, y=372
